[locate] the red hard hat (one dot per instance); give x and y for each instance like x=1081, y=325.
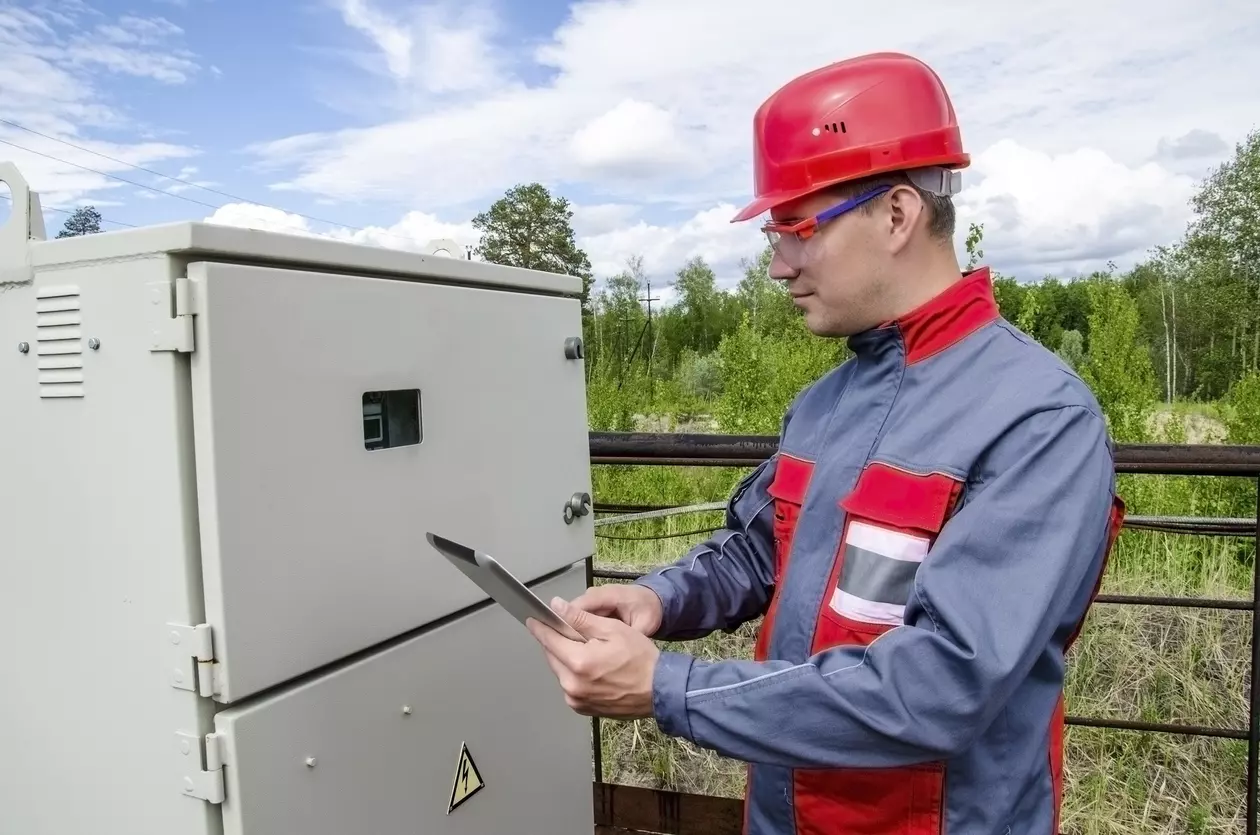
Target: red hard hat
x=867, y=115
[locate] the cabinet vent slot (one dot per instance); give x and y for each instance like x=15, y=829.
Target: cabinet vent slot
x=59, y=342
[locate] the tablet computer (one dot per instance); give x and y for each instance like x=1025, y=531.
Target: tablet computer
x=504, y=588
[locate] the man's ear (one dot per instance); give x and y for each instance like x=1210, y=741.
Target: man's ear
x=905, y=211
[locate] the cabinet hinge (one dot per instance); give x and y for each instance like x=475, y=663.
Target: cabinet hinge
x=201, y=775
x=191, y=664
x=172, y=308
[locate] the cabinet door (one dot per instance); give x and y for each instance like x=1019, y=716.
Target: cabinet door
x=377, y=746
x=339, y=418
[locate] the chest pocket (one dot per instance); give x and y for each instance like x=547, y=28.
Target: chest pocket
x=892, y=518
x=791, y=479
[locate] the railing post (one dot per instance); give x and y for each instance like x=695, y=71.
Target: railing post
x=597, y=741
x=1253, y=718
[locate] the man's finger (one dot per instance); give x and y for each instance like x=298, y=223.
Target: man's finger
x=588, y=625
x=597, y=601
x=556, y=645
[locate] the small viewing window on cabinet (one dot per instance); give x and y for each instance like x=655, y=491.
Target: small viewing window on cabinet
x=391, y=419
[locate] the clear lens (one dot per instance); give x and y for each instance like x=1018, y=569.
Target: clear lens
x=788, y=247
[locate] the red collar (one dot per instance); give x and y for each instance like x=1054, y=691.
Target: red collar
x=961, y=310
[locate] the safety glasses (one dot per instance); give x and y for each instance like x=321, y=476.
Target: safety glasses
x=790, y=240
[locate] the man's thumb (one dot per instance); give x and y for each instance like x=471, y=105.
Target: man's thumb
x=586, y=624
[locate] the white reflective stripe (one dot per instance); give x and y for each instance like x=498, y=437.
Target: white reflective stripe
x=892, y=544
x=867, y=611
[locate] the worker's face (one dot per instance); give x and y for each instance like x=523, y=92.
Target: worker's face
x=841, y=277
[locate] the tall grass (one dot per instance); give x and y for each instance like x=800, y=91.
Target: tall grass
x=1143, y=663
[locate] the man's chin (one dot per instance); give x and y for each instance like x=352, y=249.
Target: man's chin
x=819, y=325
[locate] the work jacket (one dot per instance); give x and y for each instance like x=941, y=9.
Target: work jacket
x=924, y=546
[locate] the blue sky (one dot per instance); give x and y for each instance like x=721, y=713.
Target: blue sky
x=1089, y=124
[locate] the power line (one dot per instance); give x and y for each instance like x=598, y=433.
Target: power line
x=176, y=179
x=167, y=177
x=111, y=176
x=64, y=212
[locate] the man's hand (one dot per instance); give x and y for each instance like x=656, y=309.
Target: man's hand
x=635, y=606
x=611, y=674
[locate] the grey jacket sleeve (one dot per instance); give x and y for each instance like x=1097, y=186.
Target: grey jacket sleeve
x=727, y=579
x=1010, y=574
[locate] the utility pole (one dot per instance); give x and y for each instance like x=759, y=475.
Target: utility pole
x=647, y=329
x=651, y=344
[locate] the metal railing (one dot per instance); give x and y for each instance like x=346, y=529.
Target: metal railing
x=661, y=449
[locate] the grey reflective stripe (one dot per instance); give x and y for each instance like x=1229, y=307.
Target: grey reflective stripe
x=876, y=578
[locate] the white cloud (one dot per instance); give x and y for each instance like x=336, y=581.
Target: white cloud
x=434, y=49
x=708, y=234
x=51, y=60
x=393, y=40
x=599, y=219
x=1080, y=119
x=1065, y=213
x=602, y=231
x=413, y=232
x=634, y=139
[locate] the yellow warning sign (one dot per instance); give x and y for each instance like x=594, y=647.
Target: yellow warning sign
x=467, y=779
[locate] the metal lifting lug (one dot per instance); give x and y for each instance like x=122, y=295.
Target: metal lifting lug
x=579, y=504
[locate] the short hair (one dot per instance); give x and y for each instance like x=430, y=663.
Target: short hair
x=940, y=208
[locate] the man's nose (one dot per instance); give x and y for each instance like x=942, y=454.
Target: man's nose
x=779, y=268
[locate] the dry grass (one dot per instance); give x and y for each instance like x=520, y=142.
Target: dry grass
x=1154, y=664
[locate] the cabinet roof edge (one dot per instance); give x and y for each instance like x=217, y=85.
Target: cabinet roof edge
x=232, y=243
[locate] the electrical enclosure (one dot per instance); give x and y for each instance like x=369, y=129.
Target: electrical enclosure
x=221, y=450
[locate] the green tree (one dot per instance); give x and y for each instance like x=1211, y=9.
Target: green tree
x=766, y=301
x=1117, y=364
x=527, y=227
x=1029, y=309
x=1228, y=208
x=1072, y=349
x=1244, y=417
x=86, y=220
x=700, y=309
x=975, y=236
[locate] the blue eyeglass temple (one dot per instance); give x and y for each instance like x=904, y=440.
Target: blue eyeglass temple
x=850, y=204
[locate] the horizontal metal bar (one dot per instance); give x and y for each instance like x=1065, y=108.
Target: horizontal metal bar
x=1178, y=602
x=680, y=445
x=1156, y=727
x=613, y=574
x=1123, y=599
x=695, y=449
x=654, y=461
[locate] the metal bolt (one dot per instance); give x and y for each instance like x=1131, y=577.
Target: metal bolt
x=579, y=504
x=310, y=762
x=23, y=347
x=406, y=710
x=94, y=343
x=573, y=348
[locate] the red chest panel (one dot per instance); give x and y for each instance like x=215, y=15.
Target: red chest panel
x=892, y=518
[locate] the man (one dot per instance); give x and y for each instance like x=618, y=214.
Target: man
x=927, y=539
